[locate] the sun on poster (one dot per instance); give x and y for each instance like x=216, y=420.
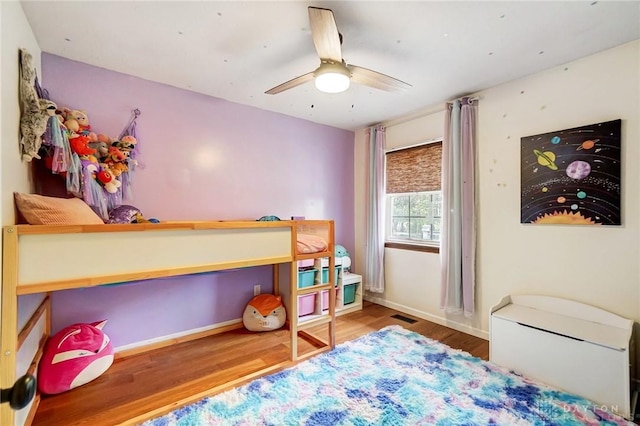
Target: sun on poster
x=572, y=176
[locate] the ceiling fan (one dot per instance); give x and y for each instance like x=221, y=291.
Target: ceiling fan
x=334, y=74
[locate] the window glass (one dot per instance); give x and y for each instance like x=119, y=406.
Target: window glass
x=414, y=217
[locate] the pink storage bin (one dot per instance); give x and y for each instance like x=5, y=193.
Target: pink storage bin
x=306, y=304
x=305, y=263
x=325, y=300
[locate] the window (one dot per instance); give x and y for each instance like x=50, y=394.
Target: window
x=414, y=196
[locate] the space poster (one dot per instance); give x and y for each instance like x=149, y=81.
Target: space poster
x=572, y=176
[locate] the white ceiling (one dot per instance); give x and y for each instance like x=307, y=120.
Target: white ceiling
x=236, y=50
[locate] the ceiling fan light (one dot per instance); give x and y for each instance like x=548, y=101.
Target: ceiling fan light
x=332, y=82
x=331, y=78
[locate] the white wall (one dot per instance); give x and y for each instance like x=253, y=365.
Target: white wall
x=595, y=265
x=14, y=174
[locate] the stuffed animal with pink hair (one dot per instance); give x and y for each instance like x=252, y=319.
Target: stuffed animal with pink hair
x=75, y=355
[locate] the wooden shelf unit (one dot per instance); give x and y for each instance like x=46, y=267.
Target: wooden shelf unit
x=163, y=250
x=345, y=280
x=291, y=292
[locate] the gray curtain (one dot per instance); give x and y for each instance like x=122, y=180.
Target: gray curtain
x=458, y=236
x=374, y=260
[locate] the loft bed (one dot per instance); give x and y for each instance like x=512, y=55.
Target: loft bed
x=47, y=258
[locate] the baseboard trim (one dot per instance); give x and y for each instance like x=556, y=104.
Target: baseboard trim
x=171, y=339
x=430, y=317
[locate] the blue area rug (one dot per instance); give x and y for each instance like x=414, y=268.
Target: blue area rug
x=392, y=377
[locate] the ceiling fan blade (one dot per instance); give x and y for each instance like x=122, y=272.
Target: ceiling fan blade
x=325, y=34
x=291, y=84
x=377, y=80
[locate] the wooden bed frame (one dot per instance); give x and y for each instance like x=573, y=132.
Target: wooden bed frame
x=46, y=258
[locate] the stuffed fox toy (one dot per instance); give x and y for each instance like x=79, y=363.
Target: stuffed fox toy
x=264, y=312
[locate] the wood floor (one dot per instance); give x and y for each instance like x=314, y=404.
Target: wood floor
x=141, y=383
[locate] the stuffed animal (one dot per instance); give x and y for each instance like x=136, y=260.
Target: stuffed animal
x=115, y=162
x=263, y=313
x=101, y=148
x=28, y=94
x=74, y=356
x=118, y=168
x=89, y=166
x=114, y=155
x=60, y=116
x=104, y=176
x=126, y=144
x=77, y=123
x=34, y=111
x=341, y=251
x=123, y=214
x=141, y=219
x=33, y=124
x=108, y=180
x=104, y=138
x=80, y=145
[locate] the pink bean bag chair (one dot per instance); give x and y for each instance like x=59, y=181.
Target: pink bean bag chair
x=74, y=356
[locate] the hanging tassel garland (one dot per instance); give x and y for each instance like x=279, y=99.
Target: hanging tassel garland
x=113, y=199
x=74, y=173
x=94, y=195
x=126, y=184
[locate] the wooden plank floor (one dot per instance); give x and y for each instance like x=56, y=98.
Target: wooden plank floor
x=141, y=383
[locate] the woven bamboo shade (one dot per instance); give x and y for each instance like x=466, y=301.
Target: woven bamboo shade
x=414, y=169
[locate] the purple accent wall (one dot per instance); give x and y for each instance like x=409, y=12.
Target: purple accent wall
x=143, y=310
x=202, y=158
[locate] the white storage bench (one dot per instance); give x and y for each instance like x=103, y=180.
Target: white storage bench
x=566, y=344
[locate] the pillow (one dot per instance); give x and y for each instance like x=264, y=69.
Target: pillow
x=123, y=214
x=41, y=210
x=310, y=244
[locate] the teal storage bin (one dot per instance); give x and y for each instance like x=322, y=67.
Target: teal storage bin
x=306, y=278
x=349, y=293
x=325, y=275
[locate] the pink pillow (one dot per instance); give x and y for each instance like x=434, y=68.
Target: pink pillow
x=310, y=244
x=41, y=210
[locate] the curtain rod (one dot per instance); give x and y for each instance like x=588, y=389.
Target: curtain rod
x=461, y=98
x=432, y=110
